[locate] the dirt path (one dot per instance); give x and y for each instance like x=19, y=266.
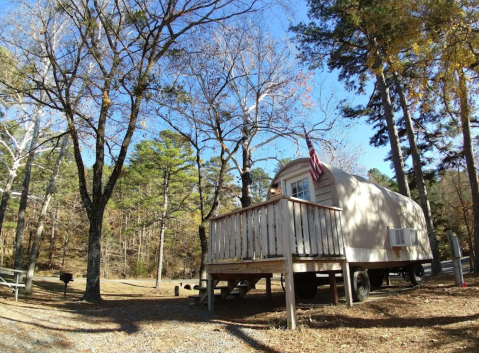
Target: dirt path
x=436, y=317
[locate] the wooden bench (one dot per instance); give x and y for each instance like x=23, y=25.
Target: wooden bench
x=12, y=278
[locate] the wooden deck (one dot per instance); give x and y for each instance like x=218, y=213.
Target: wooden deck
x=282, y=235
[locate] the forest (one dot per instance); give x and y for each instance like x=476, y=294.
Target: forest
x=125, y=126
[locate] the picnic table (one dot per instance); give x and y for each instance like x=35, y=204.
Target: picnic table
x=12, y=278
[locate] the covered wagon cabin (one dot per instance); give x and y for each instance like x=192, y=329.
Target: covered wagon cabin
x=340, y=224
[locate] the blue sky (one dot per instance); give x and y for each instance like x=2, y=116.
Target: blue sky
x=371, y=157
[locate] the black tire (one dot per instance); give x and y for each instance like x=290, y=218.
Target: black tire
x=376, y=278
x=305, y=285
x=416, y=274
x=307, y=292
x=360, y=285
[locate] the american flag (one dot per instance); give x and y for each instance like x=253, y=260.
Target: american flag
x=315, y=167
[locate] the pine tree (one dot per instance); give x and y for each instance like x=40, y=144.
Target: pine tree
x=170, y=159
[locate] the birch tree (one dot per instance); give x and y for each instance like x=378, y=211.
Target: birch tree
x=41, y=218
x=14, y=139
x=18, y=259
x=21, y=128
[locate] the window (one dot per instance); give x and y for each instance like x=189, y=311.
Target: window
x=299, y=184
x=300, y=189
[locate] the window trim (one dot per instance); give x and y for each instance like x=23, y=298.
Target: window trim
x=298, y=175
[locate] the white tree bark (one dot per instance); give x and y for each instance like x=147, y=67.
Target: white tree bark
x=41, y=219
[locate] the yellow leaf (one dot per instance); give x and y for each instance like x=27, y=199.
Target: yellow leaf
x=106, y=99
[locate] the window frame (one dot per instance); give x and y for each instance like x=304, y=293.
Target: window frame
x=287, y=180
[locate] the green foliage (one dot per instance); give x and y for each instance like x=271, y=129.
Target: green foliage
x=227, y=190
x=141, y=270
x=136, y=17
x=177, y=93
x=382, y=179
x=12, y=77
x=260, y=185
x=281, y=163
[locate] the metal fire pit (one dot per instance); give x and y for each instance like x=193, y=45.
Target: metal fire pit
x=66, y=278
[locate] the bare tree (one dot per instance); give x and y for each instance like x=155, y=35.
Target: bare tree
x=105, y=61
x=252, y=83
x=187, y=119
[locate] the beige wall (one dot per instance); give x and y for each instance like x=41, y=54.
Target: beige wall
x=368, y=209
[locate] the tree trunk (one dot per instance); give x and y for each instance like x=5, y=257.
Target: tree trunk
x=92, y=292
x=436, y=267
x=246, y=179
x=6, y=197
x=2, y=251
x=41, y=219
x=470, y=242
x=214, y=205
x=18, y=262
x=204, y=252
x=160, y=252
x=12, y=173
x=471, y=164
x=139, y=235
x=64, y=251
x=125, y=246
x=166, y=180
x=52, y=240
x=465, y=219
x=201, y=227
x=396, y=152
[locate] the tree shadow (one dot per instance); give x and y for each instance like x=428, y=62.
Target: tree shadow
x=254, y=312
x=136, y=285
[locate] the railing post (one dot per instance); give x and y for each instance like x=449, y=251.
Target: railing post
x=211, y=242
x=340, y=230
x=211, y=293
x=288, y=232
x=347, y=280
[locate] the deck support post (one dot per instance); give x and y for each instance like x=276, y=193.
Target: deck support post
x=333, y=288
x=347, y=283
x=288, y=233
x=268, y=287
x=290, y=300
x=211, y=293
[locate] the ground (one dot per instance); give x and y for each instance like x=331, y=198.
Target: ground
x=134, y=317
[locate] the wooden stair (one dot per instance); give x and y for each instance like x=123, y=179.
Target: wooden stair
x=235, y=288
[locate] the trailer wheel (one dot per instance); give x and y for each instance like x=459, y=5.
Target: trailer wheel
x=376, y=278
x=360, y=284
x=416, y=274
x=305, y=285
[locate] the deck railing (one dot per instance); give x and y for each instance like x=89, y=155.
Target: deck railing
x=264, y=230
